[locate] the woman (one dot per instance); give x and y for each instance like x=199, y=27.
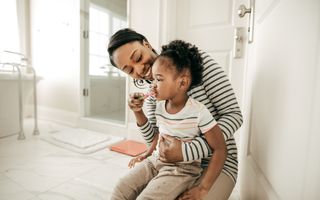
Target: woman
x=132, y=53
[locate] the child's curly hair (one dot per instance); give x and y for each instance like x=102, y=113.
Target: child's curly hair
x=185, y=56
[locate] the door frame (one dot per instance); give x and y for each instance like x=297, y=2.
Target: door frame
x=84, y=71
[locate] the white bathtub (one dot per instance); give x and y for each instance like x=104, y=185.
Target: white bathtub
x=9, y=101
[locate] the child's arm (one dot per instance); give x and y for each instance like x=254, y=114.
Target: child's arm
x=146, y=122
x=145, y=155
x=152, y=146
x=216, y=142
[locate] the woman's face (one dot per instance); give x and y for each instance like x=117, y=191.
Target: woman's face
x=135, y=59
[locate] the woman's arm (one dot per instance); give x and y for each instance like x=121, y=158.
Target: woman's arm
x=220, y=92
x=218, y=145
x=173, y=150
x=216, y=142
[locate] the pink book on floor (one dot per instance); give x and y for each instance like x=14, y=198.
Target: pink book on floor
x=129, y=147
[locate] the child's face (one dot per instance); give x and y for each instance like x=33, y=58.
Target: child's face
x=166, y=80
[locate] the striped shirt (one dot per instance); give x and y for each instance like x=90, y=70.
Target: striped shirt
x=191, y=121
x=217, y=95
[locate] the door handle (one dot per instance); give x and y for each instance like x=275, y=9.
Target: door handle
x=242, y=11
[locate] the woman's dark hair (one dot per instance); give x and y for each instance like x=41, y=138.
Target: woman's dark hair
x=121, y=37
x=184, y=56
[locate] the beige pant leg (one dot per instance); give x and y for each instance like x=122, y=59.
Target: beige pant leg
x=130, y=186
x=171, y=181
x=221, y=189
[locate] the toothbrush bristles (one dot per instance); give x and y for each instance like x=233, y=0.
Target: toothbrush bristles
x=146, y=95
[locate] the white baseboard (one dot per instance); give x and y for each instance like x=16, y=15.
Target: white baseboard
x=103, y=127
x=57, y=115
x=257, y=184
x=131, y=131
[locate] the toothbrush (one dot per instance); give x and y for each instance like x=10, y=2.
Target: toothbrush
x=146, y=95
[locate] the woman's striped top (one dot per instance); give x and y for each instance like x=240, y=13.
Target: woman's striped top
x=217, y=95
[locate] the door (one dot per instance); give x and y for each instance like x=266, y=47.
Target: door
x=212, y=25
x=104, y=89
x=280, y=155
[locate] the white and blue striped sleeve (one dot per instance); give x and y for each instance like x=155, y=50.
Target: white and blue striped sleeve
x=195, y=149
x=149, y=129
x=220, y=92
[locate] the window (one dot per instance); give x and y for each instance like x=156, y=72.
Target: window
x=103, y=23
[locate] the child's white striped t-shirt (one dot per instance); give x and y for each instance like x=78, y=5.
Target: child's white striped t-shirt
x=193, y=120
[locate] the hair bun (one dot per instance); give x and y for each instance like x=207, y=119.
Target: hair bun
x=185, y=55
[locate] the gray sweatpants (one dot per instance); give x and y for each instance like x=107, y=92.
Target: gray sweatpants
x=153, y=179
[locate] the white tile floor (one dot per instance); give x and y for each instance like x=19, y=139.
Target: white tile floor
x=33, y=169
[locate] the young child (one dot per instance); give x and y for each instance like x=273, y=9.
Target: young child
x=177, y=69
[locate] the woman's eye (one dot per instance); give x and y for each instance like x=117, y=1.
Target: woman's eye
x=139, y=58
x=128, y=70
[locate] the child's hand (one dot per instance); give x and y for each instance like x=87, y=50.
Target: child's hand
x=139, y=158
x=135, y=101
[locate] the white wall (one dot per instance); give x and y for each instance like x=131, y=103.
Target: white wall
x=144, y=18
x=55, y=55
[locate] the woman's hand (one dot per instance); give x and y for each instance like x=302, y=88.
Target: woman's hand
x=170, y=149
x=137, y=159
x=135, y=101
x=195, y=193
